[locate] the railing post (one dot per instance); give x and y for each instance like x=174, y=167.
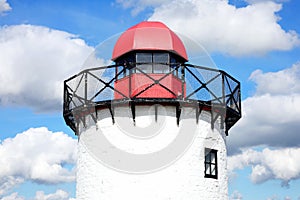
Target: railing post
x=65, y=97
x=224, y=106
x=85, y=88
x=116, y=72
x=240, y=99
x=129, y=88
x=182, y=81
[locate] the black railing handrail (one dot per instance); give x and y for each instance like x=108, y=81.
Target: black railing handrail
x=75, y=101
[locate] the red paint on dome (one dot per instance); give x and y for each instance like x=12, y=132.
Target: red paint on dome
x=149, y=36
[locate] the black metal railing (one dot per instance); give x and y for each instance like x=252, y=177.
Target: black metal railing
x=204, y=88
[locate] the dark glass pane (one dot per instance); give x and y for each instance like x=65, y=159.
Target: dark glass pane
x=161, y=61
x=173, y=60
x=144, y=58
x=161, y=58
x=207, y=158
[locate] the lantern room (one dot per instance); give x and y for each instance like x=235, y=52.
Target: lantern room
x=150, y=68
x=149, y=55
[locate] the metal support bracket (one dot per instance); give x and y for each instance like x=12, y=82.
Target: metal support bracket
x=178, y=113
x=132, y=106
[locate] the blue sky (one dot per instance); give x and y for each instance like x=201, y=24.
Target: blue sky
x=44, y=42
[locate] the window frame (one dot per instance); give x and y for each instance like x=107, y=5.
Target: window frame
x=152, y=65
x=171, y=64
x=208, y=163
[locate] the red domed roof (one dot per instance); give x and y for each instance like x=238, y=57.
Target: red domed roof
x=149, y=36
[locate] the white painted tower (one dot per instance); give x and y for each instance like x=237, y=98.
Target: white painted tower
x=151, y=126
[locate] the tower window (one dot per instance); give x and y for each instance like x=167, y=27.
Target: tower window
x=161, y=61
x=211, y=163
x=144, y=62
x=157, y=63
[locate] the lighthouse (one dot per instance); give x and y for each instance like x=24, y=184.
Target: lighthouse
x=151, y=126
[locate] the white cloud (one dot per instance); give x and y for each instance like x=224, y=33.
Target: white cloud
x=260, y=174
x=140, y=5
x=270, y=117
x=236, y=195
x=58, y=195
x=9, y=182
x=4, y=6
x=38, y=155
x=34, y=62
x=40, y=195
x=282, y=164
x=259, y=1
x=13, y=196
x=221, y=27
x=273, y=198
x=283, y=82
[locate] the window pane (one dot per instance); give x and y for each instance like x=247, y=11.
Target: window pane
x=161, y=58
x=145, y=68
x=144, y=58
x=158, y=68
x=173, y=66
x=213, y=157
x=175, y=71
x=173, y=60
x=207, y=168
x=133, y=70
x=213, y=170
x=207, y=157
x=120, y=68
x=179, y=72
